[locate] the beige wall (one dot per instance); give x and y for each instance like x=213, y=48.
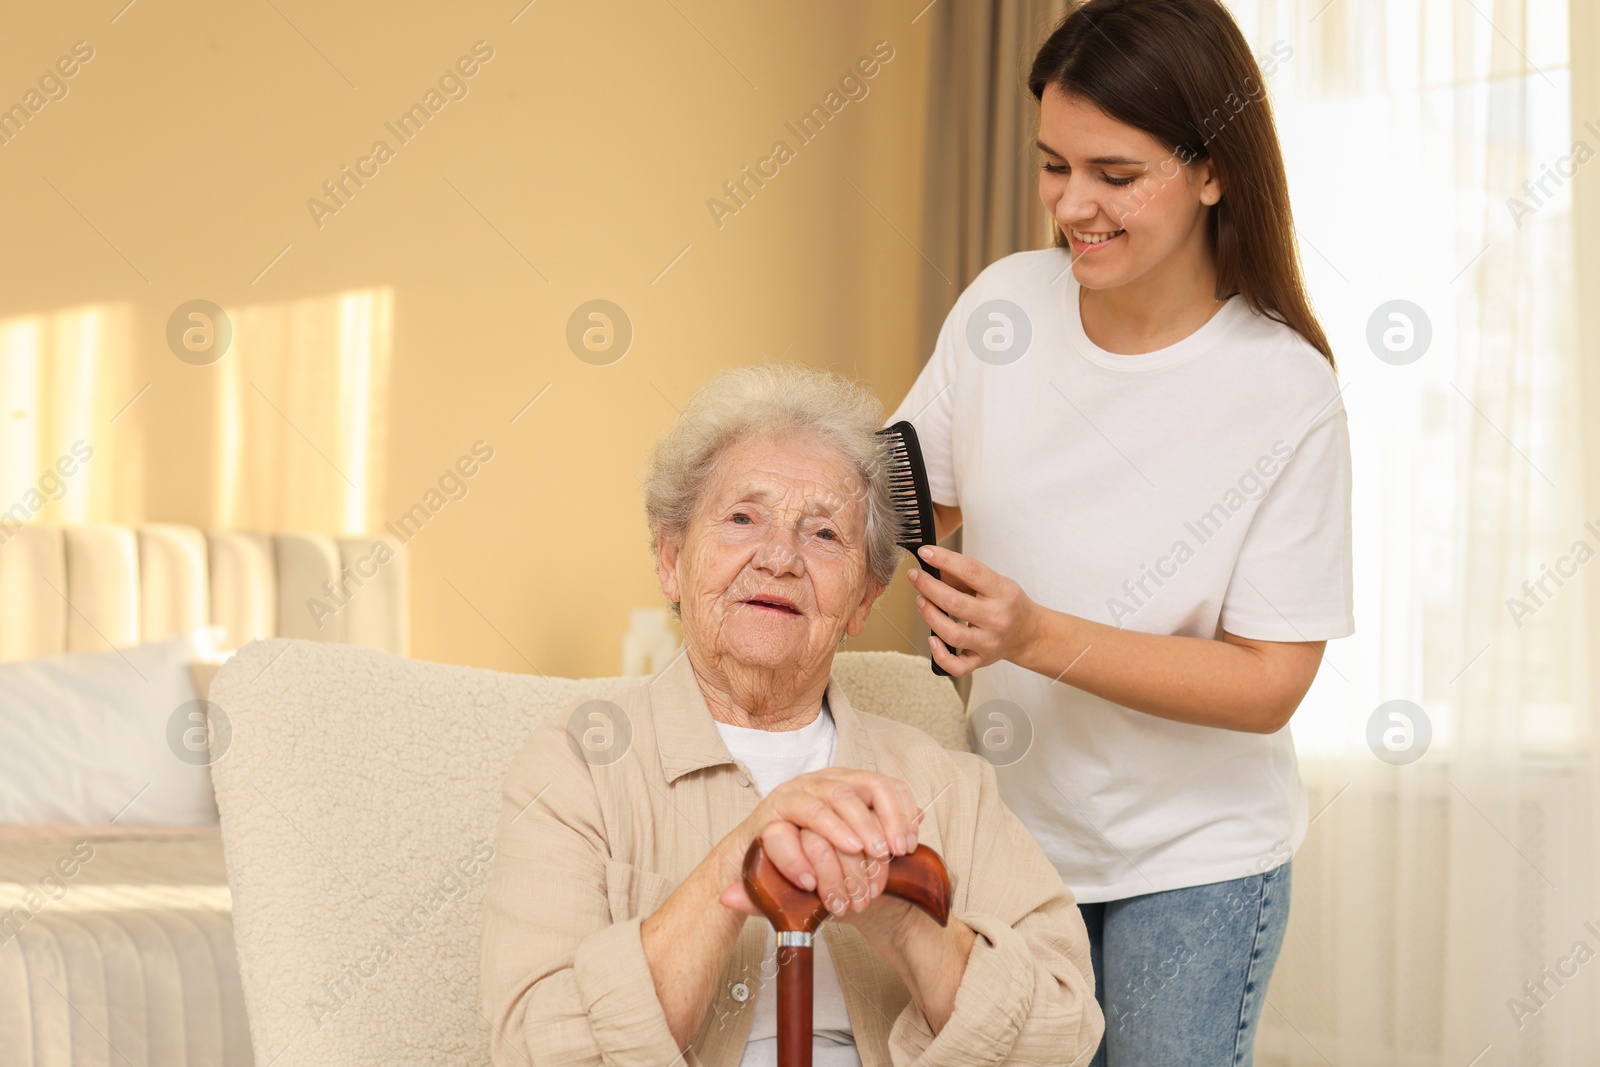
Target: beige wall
x=180, y=163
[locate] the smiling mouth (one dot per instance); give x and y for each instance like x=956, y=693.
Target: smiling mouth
x=771, y=603
x=1091, y=241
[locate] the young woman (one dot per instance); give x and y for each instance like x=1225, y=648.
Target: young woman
x=1140, y=432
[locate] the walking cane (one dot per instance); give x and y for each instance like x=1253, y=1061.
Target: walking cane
x=919, y=877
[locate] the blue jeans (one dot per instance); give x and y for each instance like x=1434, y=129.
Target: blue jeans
x=1181, y=976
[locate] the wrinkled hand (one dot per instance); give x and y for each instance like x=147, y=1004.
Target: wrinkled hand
x=885, y=921
x=997, y=618
x=820, y=827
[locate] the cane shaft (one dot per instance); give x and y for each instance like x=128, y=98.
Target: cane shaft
x=794, y=1006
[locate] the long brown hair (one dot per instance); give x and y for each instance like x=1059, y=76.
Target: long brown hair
x=1181, y=71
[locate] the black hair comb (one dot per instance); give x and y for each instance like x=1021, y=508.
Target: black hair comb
x=908, y=486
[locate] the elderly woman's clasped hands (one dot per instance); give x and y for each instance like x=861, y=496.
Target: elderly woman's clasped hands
x=834, y=831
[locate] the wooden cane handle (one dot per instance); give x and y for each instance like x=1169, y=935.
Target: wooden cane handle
x=796, y=913
x=919, y=878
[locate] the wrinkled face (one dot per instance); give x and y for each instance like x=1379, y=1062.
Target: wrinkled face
x=1127, y=204
x=772, y=571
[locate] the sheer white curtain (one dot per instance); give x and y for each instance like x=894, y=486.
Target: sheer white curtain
x=1445, y=905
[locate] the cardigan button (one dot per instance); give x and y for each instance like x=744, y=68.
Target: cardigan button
x=741, y=992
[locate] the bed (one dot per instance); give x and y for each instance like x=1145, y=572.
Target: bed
x=135, y=964
x=116, y=936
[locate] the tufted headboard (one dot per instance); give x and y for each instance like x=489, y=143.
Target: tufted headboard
x=79, y=588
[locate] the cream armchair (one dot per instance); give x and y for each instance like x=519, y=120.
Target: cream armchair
x=359, y=795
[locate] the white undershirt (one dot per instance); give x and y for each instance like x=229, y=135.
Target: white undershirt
x=773, y=757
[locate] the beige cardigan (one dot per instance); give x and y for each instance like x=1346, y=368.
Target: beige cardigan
x=586, y=848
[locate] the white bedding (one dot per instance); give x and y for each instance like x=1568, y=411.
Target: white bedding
x=117, y=736
x=116, y=948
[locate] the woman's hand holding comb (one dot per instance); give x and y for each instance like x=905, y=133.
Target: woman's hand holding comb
x=997, y=619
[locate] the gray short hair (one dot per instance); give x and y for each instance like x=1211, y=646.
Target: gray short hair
x=774, y=400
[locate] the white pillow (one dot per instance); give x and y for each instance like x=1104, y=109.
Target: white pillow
x=84, y=734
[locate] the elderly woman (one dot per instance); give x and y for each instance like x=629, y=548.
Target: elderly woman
x=616, y=926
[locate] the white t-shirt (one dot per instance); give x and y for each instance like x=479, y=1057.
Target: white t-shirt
x=1198, y=488
x=773, y=757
